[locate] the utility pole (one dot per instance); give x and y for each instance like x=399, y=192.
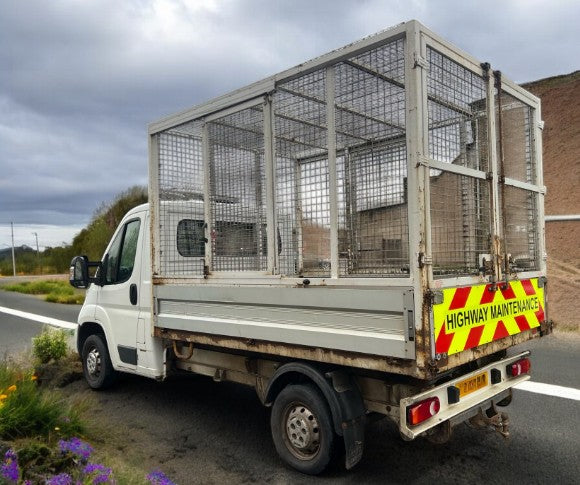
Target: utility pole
x=37, y=253
x=13, y=257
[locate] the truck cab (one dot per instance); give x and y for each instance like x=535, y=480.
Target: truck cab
x=116, y=314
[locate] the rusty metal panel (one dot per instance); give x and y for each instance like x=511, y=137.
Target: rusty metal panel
x=284, y=351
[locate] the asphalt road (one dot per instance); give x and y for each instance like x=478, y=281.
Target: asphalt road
x=200, y=431
x=16, y=333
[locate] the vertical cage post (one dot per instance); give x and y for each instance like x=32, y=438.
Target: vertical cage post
x=493, y=171
x=206, y=154
x=332, y=180
x=271, y=223
x=154, y=201
x=416, y=128
x=538, y=126
x=417, y=183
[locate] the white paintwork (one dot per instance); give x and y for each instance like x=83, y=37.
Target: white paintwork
x=123, y=323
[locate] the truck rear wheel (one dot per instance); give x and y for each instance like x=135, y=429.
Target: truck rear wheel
x=302, y=429
x=97, y=366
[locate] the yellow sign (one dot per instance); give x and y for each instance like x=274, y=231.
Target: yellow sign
x=476, y=315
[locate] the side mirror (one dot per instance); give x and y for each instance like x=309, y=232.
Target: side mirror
x=79, y=272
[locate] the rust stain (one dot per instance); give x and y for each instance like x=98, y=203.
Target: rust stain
x=288, y=351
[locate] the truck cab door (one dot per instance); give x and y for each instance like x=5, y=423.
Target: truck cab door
x=119, y=302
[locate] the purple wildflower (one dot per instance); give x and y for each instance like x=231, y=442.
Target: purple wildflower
x=157, y=477
x=9, y=469
x=77, y=447
x=103, y=473
x=62, y=479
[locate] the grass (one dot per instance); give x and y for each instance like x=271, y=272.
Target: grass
x=27, y=412
x=54, y=291
x=50, y=435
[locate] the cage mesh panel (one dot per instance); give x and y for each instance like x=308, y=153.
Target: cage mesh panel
x=371, y=167
x=237, y=192
x=460, y=205
x=516, y=134
x=373, y=220
x=460, y=223
x=370, y=127
x=521, y=231
x=181, y=176
x=457, y=113
x=302, y=182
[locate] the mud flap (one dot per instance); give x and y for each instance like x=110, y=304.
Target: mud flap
x=353, y=416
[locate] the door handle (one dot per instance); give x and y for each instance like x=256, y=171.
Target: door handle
x=133, y=294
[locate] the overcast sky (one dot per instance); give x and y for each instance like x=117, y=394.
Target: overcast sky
x=81, y=79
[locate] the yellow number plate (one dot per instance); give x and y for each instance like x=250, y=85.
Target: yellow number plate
x=472, y=384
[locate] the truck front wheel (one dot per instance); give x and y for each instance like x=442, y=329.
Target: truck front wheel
x=97, y=366
x=302, y=429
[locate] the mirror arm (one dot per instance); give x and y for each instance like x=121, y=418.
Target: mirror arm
x=98, y=280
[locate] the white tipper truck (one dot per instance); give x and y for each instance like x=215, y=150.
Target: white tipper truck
x=360, y=234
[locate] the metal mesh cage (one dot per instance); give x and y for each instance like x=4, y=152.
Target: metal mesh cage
x=456, y=103
x=302, y=192
x=521, y=235
x=350, y=115
x=515, y=133
x=460, y=204
x=373, y=222
x=369, y=106
x=237, y=194
x=460, y=224
x=181, y=175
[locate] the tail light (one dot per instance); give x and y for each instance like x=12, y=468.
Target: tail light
x=421, y=411
x=518, y=368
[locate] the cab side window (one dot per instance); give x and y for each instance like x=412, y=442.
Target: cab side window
x=122, y=254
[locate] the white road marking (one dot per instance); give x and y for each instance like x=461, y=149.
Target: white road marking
x=550, y=390
x=39, y=318
x=530, y=386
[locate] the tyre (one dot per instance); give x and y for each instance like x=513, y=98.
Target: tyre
x=97, y=366
x=302, y=428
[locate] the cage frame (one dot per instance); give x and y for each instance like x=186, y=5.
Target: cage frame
x=420, y=280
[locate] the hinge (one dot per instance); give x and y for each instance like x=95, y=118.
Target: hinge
x=541, y=124
x=437, y=297
x=420, y=61
x=424, y=260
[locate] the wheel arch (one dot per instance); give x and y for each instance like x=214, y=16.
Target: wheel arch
x=340, y=392
x=86, y=330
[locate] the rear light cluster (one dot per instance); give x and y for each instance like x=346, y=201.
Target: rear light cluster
x=423, y=410
x=518, y=368
x=426, y=409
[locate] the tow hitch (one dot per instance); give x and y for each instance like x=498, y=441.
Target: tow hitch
x=491, y=419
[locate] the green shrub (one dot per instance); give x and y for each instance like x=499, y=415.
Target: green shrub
x=50, y=345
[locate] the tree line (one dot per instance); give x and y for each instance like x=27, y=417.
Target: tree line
x=91, y=241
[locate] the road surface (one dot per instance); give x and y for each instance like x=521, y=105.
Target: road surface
x=199, y=431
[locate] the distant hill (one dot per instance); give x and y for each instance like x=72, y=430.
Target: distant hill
x=6, y=253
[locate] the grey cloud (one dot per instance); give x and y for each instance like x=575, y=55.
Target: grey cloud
x=80, y=81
